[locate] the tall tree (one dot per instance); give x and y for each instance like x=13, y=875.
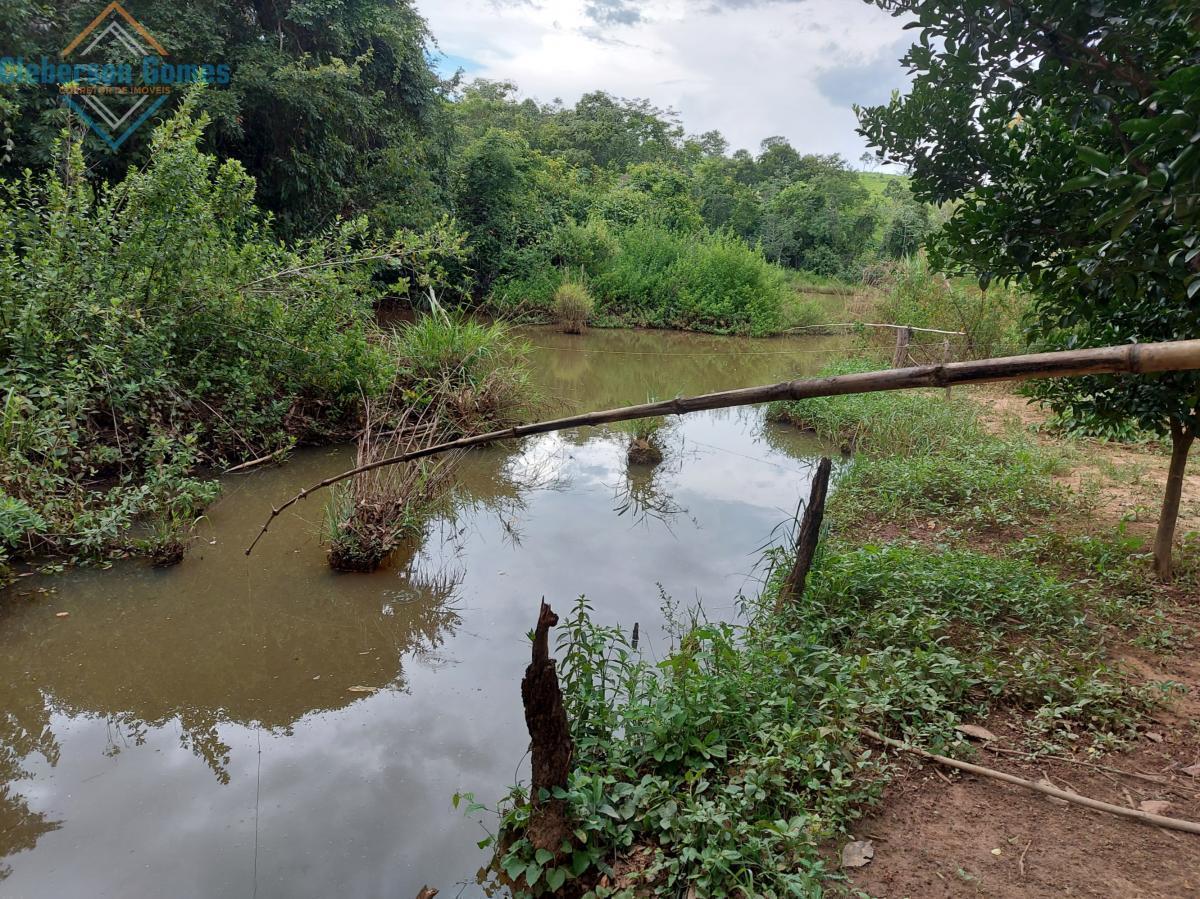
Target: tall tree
x=1069, y=134
x=329, y=105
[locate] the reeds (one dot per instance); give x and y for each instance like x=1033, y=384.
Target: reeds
x=369, y=516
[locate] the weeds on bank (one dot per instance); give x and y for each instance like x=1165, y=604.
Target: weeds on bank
x=723, y=768
x=648, y=275
x=921, y=455
x=901, y=422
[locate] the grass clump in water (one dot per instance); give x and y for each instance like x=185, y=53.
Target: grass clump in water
x=476, y=373
x=573, y=306
x=646, y=439
x=371, y=514
x=455, y=376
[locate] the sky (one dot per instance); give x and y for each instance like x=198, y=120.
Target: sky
x=750, y=68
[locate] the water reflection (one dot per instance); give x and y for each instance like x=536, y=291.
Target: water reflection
x=235, y=725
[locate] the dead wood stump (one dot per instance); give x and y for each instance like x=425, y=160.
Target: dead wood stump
x=550, y=740
x=810, y=533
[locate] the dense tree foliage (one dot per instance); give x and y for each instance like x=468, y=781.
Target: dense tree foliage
x=331, y=107
x=335, y=111
x=1067, y=134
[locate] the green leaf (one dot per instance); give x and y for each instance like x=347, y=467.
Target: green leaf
x=1080, y=182
x=556, y=877
x=533, y=873
x=1094, y=158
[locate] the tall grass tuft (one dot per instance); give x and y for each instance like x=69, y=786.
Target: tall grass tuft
x=474, y=372
x=573, y=306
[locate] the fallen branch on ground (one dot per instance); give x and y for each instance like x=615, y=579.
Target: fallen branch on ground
x=1120, y=810
x=1028, y=757
x=1135, y=358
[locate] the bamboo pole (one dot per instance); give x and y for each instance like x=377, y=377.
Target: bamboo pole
x=1135, y=358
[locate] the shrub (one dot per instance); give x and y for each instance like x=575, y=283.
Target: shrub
x=573, y=306
x=588, y=247
x=725, y=285
x=915, y=295
x=156, y=324
x=528, y=296
x=699, y=281
x=638, y=286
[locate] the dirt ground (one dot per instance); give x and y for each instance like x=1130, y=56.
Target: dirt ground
x=1129, y=479
x=939, y=833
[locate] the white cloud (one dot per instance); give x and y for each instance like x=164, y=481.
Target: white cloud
x=751, y=68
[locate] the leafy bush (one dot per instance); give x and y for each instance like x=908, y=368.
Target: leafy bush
x=155, y=324
x=637, y=286
x=587, y=247
x=725, y=285
x=700, y=281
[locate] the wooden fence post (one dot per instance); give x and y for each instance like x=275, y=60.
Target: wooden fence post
x=810, y=534
x=945, y=359
x=903, y=336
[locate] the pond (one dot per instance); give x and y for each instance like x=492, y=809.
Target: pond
x=262, y=726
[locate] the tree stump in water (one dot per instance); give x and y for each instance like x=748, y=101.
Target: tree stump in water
x=550, y=740
x=810, y=533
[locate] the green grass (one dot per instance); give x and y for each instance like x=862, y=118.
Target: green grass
x=650, y=276
x=876, y=182
x=474, y=371
x=901, y=422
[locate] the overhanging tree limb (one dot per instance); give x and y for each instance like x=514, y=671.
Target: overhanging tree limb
x=1144, y=358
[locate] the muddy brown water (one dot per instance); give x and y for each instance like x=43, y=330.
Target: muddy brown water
x=264, y=727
